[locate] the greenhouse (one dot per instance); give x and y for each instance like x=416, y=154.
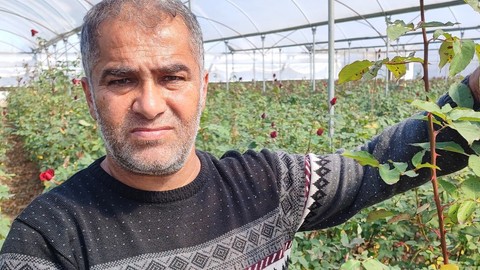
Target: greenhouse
x=335, y=134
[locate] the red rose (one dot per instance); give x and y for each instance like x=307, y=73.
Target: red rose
x=34, y=32
x=273, y=134
x=264, y=115
x=320, y=131
x=333, y=101
x=76, y=81
x=47, y=175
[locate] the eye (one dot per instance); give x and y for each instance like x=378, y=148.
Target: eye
x=120, y=82
x=172, y=78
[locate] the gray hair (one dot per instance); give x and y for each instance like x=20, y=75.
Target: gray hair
x=108, y=9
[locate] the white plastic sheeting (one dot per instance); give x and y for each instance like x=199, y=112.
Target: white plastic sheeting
x=286, y=26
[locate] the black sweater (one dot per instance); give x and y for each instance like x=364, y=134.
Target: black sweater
x=241, y=211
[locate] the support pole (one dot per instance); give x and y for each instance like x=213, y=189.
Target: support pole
x=264, y=87
x=331, y=68
x=227, y=80
x=314, y=31
x=66, y=52
x=280, y=64
x=387, y=72
x=254, y=69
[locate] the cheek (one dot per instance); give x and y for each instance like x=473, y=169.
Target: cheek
x=112, y=110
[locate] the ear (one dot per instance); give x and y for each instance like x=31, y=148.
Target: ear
x=89, y=97
x=205, y=89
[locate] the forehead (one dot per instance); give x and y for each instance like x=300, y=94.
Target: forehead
x=120, y=36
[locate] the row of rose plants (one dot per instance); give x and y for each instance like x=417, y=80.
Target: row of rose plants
x=5, y=177
x=51, y=116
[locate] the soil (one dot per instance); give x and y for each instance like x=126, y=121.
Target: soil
x=24, y=184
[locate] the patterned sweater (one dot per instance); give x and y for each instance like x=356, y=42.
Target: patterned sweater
x=241, y=212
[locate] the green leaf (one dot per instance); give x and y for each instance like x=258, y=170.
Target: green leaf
x=468, y=130
x=463, y=55
x=397, y=66
x=461, y=94
x=84, y=123
x=447, y=146
x=354, y=71
x=4, y=226
x=351, y=265
x=450, y=188
x=449, y=266
x=474, y=164
x=373, y=264
x=465, y=211
x=389, y=176
x=429, y=107
x=437, y=24
x=398, y=28
x=474, y=4
x=373, y=70
x=476, y=147
x=344, y=239
x=411, y=173
x=417, y=159
x=453, y=212
x=450, y=146
x=422, y=208
x=427, y=165
x=459, y=114
x=471, y=188
x=399, y=217
x=470, y=230
x=477, y=50
x=362, y=157
x=438, y=33
x=378, y=214
x=447, y=108
x=446, y=52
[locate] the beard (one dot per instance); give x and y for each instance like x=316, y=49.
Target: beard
x=153, y=157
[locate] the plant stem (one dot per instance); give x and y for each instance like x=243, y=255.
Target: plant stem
x=436, y=195
x=433, y=137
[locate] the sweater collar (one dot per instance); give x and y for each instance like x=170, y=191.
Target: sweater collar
x=169, y=196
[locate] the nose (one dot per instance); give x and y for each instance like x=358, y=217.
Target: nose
x=149, y=101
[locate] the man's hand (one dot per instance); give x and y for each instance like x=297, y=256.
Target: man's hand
x=474, y=84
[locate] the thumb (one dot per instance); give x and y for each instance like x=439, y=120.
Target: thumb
x=474, y=84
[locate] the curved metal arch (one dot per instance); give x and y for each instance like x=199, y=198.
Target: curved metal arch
x=363, y=18
x=228, y=27
x=58, y=13
x=20, y=36
x=35, y=12
x=301, y=10
x=12, y=45
x=286, y=37
x=210, y=22
x=245, y=14
x=28, y=19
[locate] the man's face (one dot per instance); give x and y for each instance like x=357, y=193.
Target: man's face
x=147, y=95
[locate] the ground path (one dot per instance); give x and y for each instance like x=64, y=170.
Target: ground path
x=24, y=184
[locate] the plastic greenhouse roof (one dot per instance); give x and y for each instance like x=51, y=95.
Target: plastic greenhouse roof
x=283, y=23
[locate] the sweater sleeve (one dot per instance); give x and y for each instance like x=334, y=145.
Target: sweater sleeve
x=339, y=187
x=26, y=248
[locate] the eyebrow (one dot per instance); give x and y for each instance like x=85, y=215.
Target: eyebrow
x=117, y=72
x=173, y=68
x=123, y=71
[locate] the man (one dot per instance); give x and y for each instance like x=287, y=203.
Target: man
x=154, y=201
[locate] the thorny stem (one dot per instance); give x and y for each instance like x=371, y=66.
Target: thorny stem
x=433, y=137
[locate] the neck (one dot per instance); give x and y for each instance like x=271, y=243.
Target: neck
x=154, y=182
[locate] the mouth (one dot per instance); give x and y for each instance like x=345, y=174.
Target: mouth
x=150, y=134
